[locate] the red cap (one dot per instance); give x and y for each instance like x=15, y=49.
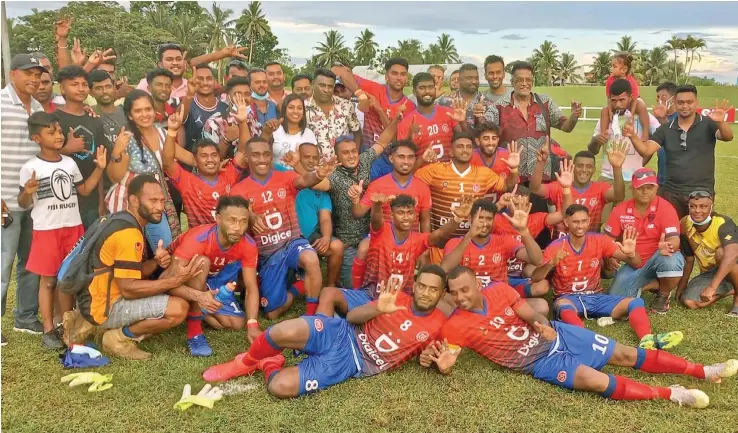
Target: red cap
x=644, y=176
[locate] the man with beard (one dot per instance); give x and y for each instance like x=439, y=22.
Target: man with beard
x=302, y=84
x=204, y=105
x=489, y=153
x=430, y=126
x=136, y=307
x=102, y=88
x=275, y=76
x=468, y=92
x=494, y=72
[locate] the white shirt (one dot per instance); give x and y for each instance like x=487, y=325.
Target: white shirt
x=633, y=160
x=284, y=142
x=55, y=203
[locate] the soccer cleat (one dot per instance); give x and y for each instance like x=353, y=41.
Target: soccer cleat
x=661, y=304
x=199, y=346
x=35, y=328
x=229, y=370
x=51, y=340
x=76, y=328
x=664, y=341
x=717, y=372
x=689, y=397
x=116, y=343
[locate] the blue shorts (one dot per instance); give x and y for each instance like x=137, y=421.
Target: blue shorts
x=380, y=167
x=574, y=346
x=356, y=298
x=519, y=283
x=333, y=355
x=226, y=275
x=589, y=306
x=275, y=272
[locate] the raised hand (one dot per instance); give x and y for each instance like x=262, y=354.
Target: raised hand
x=31, y=185
x=75, y=144
x=628, y=246
x=78, y=54
x=718, y=113
x=617, y=152
x=513, y=158
x=355, y=191
x=576, y=109
x=665, y=247
x=193, y=84
x=429, y=155
x=291, y=158
x=478, y=110
x=560, y=255
x=382, y=198
x=241, y=115
x=413, y=129
x=234, y=51
x=272, y=125
x=121, y=142
x=603, y=138
x=659, y=110
x=101, y=157
x=628, y=128
x=162, y=256
x=566, y=178
x=361, y=95
x=387, y=299
x=62, y=28
x=543, y=152
x=463, y=210
x=519, y=218
x=474, y=227
x=546, y=331
x=326, y=168
x=174, y=122
x=459, y=110
x=99, y=57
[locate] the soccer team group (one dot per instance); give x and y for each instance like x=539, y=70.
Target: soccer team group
x=451, y=255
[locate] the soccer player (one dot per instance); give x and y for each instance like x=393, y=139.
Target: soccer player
x=487, y=254
x=576, y=177
x=430, y=126
x=374, y=338
x=281, y=247
x=400, y=181
x=657, y=224
x=489, y=153
x=448, y=181
x=200, y=192
x=500, y=326
x=394, y=249
x=227, y=251
x=576, y=261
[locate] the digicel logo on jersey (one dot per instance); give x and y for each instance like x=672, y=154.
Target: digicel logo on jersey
x=373, y=352
x=276, y=237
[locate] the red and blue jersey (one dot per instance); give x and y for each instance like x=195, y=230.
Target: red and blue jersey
x=498, y=166
x=203, y=241
x=489, y=260
x=496, y=332
x=389, y=340
x=591, y=196
x=388, y=185
x=536, y=224
x=435, y=131
x=390, y=258
x=199, y=196
x=274, y=200
x=579, y=272
x=372, y=125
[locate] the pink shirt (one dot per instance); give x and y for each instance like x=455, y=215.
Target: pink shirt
x=177, y=92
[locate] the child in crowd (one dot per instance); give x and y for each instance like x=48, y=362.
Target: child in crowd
x=621, y=68
x=50, y=183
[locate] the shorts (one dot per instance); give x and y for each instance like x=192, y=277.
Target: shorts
x=520, y=285
x=590, y=306
x=49, y=248
x=380, y=167
x=226, y=275
x=629, y=281
x=333, y=354
x=700, y=282
x=679, y=201
x=574, y=346
x=275, y=273
x=126, y=312
x=356, y=298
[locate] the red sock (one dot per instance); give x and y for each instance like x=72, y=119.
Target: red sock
x=640, y=322
x=357, y=273
x=299, y=285
x=271, y=367
x=629, y=389
x=310, y=308
x=571, y=317
x=260, y=349
x=194, y=324
x=658, y=361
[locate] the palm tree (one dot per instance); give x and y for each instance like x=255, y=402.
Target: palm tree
x=691, y=45
x=410, y=50
x=220, y=28
x=365, y=47
x=675, y=44
x=186, y=28
x=567, y=70
x=447, y=49
x=626, y=45
x=253, y=25
x=160, y=17
x=601, y=65
x=547, y=58
x=655, y=65
x=332, y=50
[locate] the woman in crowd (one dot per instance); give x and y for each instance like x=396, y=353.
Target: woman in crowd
x=292, y=132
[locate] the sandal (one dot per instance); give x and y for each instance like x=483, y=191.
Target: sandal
x=733, y=312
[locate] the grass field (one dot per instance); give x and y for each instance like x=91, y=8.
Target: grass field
x=477, y=397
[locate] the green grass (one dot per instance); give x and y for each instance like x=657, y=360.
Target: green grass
x=477, y=397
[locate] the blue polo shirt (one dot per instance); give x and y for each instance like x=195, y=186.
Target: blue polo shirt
x=308, y=204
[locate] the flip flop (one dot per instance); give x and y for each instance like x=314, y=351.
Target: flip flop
x=733, y=312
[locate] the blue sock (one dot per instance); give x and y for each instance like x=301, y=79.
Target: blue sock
x=127, y=332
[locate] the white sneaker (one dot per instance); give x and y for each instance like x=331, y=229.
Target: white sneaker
x=716, y=372
x=689, y=397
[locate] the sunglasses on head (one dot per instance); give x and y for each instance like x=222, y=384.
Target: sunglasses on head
x=683, y=137
x=700, y=194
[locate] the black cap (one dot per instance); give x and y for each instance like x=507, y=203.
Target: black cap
x=25, y=62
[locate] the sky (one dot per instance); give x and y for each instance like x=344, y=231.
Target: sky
x=510, y=29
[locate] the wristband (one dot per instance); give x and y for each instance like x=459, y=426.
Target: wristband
x=169, y=134
x=252, y=324
x=65, y=46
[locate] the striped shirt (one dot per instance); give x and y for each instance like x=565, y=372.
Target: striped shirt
x=17, y=146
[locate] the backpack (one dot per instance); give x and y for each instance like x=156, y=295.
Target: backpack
x=83, y=263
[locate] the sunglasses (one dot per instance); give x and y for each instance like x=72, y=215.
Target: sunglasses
x=699, y=194
x=683, y=137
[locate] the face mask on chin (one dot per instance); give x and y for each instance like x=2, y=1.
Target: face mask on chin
x=258, y=97
x=703, y=223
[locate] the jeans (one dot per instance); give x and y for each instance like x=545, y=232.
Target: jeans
x=629, y=281
x=349, y=253
x=16, y=239
x=158, y=231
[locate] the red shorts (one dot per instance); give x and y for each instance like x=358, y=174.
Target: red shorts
x=49, y=248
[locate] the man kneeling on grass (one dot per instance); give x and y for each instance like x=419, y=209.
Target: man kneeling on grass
x=121, y=300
